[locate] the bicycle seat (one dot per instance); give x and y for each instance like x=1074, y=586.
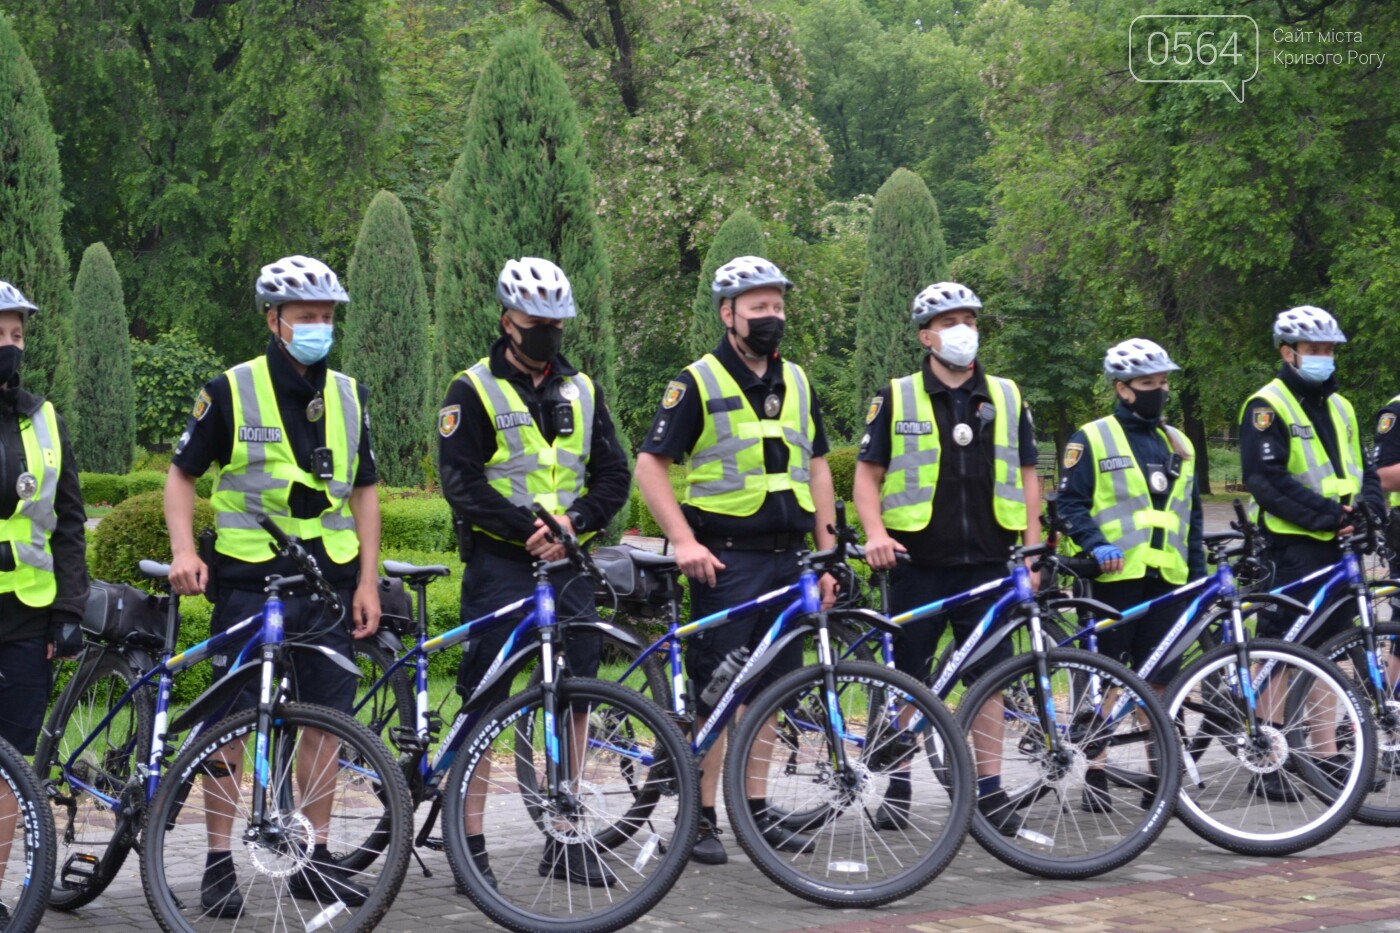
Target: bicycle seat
x=154, y=569
x=1216, y=537
x=657, y=563
x=397, y=568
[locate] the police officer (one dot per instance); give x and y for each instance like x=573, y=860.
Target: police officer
x=1302, y=460
x=946, y=473
x=1387, y=459
x=290, y=439
x=523, y=427
x=1129, y=499
x=738, y=539
x=43, y=576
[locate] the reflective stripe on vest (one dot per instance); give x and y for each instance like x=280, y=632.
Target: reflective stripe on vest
x=1308, y=462
x=1122, y=504
x=915, y=454
x=525, y=468
x=262, y=468
x=727, y=474
x=29, y=531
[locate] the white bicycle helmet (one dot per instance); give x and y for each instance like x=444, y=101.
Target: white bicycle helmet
x=941, y=297
x=298, y=278
x=536, y=287
x=745, y=274
x=1136, y=357
x=12, y=299
x=1307, y=323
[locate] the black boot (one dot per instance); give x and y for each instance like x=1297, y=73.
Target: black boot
x=218, y=892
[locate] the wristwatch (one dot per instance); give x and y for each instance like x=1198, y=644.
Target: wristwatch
x=576, y=520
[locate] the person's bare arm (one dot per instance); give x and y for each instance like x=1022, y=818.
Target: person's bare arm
x=654, y=483
x=188, y=574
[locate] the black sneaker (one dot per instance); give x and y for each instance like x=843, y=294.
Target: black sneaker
x=1274, y=786
x=708, y=849
x=779, y=836
x=325, y=883
x=997, y=809
x=218, y=892
x=1335, y=768
x=483, y=865
x=893, y=813
x=1096, y=798
x=578, y=864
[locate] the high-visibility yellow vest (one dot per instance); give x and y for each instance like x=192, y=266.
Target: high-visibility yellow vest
x=262, y=468
x=906, y=494
x=29, y=531
x=525, y=468
x=727, y=474
x=1122, y=505
x=1394, y=496
x=1308, y=462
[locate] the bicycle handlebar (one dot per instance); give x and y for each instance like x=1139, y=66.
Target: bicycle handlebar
x=293, y=549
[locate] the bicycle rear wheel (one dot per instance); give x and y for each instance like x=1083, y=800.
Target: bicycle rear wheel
x=1288, y=786
x=96, y=836
x=1348, y=651
x=282, y=882
x=1053, y=817
x=876, y=833
x=577, y=857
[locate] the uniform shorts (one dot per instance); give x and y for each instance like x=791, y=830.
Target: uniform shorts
x=26, y=680
x=1132, y=643
x=1293, y=560
x=913, y=586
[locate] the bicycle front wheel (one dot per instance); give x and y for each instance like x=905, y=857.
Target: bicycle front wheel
x=584, y=857
x=871, y=833
x=27, y=843
x=1087, y=763
x=1290, y=783
x=329, y=780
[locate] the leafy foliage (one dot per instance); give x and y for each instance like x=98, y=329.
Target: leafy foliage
x=135, y=531
x=167, y=373
x=103, y=425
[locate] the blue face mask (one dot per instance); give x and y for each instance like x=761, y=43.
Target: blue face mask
x=310, y=342
x=1316, y=369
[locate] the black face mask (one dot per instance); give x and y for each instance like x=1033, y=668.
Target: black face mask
x=765, y=333
x=11, y=357
x=540, y=343
x=1148, y=403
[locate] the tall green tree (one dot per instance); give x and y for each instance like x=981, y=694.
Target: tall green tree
x=386, y=338
x=740, y=235
x=32, y=256
x=904, y=253
x=522, y=187
x=103, y=423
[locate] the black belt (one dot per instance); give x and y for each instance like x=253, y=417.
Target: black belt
x=784, y=541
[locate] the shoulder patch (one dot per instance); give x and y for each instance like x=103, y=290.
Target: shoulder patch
x=1263, y=417
x=675, y=391
x=876, y=404
x=1072, y=454
x=202, y=405
x=1386, y=422
x=448, y=419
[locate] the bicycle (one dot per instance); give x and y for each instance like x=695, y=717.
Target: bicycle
x=113, y=783
x=580, y=744
x=831, y=734
x=29, y=846
x=1235, y=747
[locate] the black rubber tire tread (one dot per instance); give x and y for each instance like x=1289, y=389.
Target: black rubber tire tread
x=1372, y=811
x=108, y=664
x=954, y=768
x=35, y=833
x=240, y=725
x=492, y=728
x=1085, y=665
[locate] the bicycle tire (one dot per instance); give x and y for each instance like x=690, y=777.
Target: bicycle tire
x=172, y=884
x=844, y=841
x=1347, y=650
x=1224, y=797
x=33, y=846
x=115, y=766
x=1106, y=828
x=643, y=867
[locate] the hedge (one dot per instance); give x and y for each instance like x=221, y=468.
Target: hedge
x=133, y=531
x=102, y=488
x=142, y=481
x=842, y=461
x=420, y=524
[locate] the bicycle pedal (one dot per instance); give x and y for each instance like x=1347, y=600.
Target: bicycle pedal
x=435, y=843
x=79, y=871
x=405, y=739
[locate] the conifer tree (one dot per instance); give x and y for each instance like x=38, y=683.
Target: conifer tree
x=103, y=423
x=739, y=235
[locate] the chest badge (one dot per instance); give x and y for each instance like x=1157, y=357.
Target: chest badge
x=26, y=485
x=962, y=434
x=771, y=405
x=1158, y=480
x=315, y=409
x=568, y=392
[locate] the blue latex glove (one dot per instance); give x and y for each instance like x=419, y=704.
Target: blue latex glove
x=1105, y=554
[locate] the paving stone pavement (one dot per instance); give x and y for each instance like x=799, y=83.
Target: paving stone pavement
x=1351, y=882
